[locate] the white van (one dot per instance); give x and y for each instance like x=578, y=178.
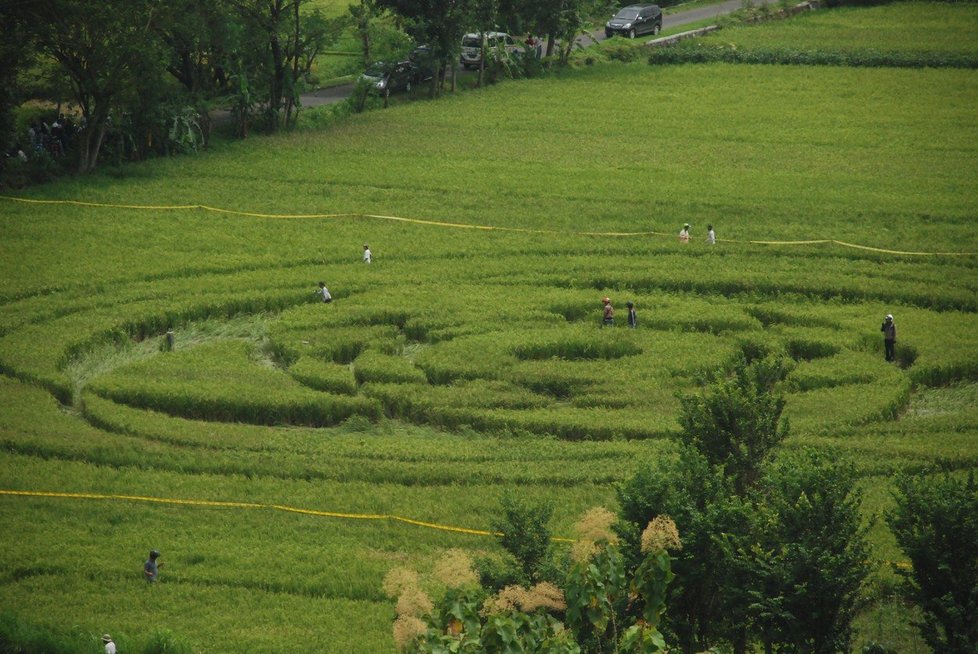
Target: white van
x=497, y=43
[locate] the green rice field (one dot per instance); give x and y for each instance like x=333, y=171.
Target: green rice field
x=907, y=27
x=467, y=359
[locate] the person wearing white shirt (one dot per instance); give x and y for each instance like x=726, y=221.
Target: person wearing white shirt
x=366, y=253
x=711, y=236
x=684, y=234
x=324, y=292
x=109, y=645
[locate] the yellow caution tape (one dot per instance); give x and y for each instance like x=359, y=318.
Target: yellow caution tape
x=438, y=223
x=254, y=505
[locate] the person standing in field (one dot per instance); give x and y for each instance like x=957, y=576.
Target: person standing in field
x=324, y=292
x=609, y=313
x=684, y=234
x=889, y=336
x=632, y=316
x=151, y=569
x=109, y=644
x=711, y=236
x=366, y=253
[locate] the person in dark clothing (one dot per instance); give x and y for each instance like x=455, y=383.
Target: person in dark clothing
x=151, y=569
x=889, y=336
x=632, y=316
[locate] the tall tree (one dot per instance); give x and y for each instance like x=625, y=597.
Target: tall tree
x=484, y=14
x=272, y=46
x=737, y=423
x=197, y=35
x=560, y=21
x=701, y=502
x=103, y=48
x=438, y=23
x=800, y=577
x=15, y=50
x=364, y=12
x=935, y=522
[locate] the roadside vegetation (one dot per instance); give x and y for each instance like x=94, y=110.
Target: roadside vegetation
x=462, y=379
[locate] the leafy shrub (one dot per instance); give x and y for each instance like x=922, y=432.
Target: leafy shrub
x=737, y=423
x=808, y=555
x=697, y=497
x=525, y=533
x=697, y=52
x=935, y=522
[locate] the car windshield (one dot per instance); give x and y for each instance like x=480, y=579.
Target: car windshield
x=471, y=42
x=627, y=14
x=376, y=70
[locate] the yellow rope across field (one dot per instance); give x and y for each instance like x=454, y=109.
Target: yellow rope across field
x=437, y=223
x=280, y=507
x=255, y=505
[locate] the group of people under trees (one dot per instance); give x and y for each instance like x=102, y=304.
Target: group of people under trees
x=42, y=137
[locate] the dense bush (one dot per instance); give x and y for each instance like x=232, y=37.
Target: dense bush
x=936, y=524
x=697, y=52
x=774, y=552
x=525, y=529
x=807, y=556
x=737, y=423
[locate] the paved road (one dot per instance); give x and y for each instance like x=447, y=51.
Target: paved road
x=340, y=93
x=693, y=15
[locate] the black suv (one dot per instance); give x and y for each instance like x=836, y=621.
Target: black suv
x=634, y=20
x=385, y=77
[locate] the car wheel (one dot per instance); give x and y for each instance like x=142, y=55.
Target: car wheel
x=656, y=29
x=631, y=33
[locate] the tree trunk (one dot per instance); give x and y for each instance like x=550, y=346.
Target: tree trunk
x=293, y=100
x=278, y=77
x=91, y=142
x=482, y=60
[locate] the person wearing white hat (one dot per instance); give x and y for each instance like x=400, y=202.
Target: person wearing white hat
x=889, y=336
x=684, y=234
x=109, y=644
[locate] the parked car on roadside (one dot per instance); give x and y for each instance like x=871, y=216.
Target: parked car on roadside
x=423, y=58
x=634, y=20
x=497, y=44
x=387, y=77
